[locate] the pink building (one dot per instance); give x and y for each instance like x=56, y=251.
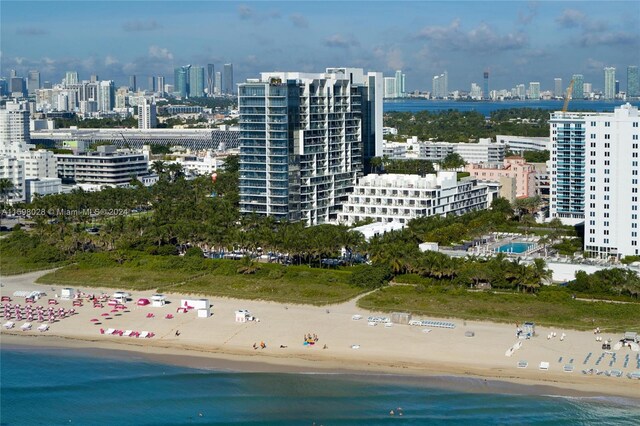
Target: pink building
x=514, y=169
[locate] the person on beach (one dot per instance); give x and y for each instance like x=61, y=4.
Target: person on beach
x=255, y=346
x=177, y=333
x=262, y=345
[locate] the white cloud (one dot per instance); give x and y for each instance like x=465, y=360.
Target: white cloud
x=160, y=53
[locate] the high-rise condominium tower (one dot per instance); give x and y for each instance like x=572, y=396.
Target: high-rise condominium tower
x=71, y=77
x=217, y=89
x=211, y=79
x=33, y=82
x=160, y=84
x=578, y=87
x=558, y=90
x=196, y=82
x=304, y=139
x=609, y=83
x=181, y=81
x=133, y=83
x=485, y=90
x=146, y=114
x=229, y=88
x=534, y=90
x=633, y=81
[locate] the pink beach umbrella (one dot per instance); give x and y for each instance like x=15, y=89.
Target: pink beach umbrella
x=105, y=314
x=94, y=320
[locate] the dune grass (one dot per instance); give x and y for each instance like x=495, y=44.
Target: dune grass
x=550, y=307
x=287, y=284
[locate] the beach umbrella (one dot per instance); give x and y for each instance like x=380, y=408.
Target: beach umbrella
x=105, y=314
x=94, y=320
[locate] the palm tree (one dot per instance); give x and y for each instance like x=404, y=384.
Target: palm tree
x=6, y=189
x=159, y=167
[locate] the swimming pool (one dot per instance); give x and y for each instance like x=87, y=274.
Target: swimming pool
x=515, y=248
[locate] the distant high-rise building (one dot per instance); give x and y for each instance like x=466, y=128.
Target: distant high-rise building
x=196, y=82
x=13, y=73
x=399, y=82
x=558, y=90
x=390, y=87
x=33, y=82
x=228, y=79
x=106, y=95
x=609, y=83
x=485, y=90
x=521, y=91
x=146, y=114
x=217, y=88
x=587, y=88
x=534, y=90
x=476, y=91
x=133, y=83
x=295, y=174
x=71, y=77
x=617, y=86
x=211, y=79
x=4, y=87
x=94, y=78
x=440, y=85
x=181, y=81
x=160, y=84
x=578, y=90
x=14, y=123
x=633, y=81
x=17, y=87
x=47, y=85
x=152, y=84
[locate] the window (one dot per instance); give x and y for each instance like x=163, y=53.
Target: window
x=607, y=136
x=607, y=124
x=593, y=123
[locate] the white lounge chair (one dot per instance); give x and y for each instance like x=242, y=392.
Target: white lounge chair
x=144, y=333
x=9, y=324
x=356, y=317
x=109, y=331
x=26, y=326
x=523, y=364
x=43, y=327
x=543, y=365
x=127, y=332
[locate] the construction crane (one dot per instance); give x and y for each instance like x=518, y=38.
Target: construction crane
x=567, y=97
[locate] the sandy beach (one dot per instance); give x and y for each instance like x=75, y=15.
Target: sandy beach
x=351, y=345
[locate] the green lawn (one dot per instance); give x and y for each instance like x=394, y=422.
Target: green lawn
x=551, y=307
x=290, y=284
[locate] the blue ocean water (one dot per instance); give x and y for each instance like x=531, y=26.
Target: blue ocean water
x=485, y=108
x=60, y=386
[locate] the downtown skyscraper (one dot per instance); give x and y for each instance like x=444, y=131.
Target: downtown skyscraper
x=229, y=88
x=609, y=83
x=578, y=86
x=633, y=81
x=304, y=140
x=211, y=79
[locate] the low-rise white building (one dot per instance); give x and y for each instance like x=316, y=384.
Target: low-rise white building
x=519, y=144
x=42, y=187
x=484, y=151
x=401, y=198
x=104, y=167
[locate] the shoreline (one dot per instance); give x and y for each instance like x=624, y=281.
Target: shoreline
x=472, y=380
x=344, y=345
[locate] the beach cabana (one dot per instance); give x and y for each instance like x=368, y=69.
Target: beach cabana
x=195, y=303
x=204, y=313
x=242, y=315
x=66, y=293
x=158, y=300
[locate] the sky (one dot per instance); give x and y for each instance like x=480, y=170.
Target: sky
x=516, y=41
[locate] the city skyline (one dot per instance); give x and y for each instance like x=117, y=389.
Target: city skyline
x=517, y=42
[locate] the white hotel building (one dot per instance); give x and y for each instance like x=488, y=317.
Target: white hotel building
x=401, y=198
x=594, y=178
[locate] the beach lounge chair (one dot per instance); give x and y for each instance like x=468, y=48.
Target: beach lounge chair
x=523, y=364
x=110, y=331
x=127, y=333
x=26, y=326
x=43, y=327
x=144, y=334
x=356, y=317
x=568, y=368
x=543, y=366
x=9, y=324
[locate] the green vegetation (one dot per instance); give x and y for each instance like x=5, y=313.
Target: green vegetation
x=456, y=126
x=452, y=161
x=406, y=167
x=129, y=122
x=536, y=156
x=21, y=253
x=196, y=275
x=552, y=306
